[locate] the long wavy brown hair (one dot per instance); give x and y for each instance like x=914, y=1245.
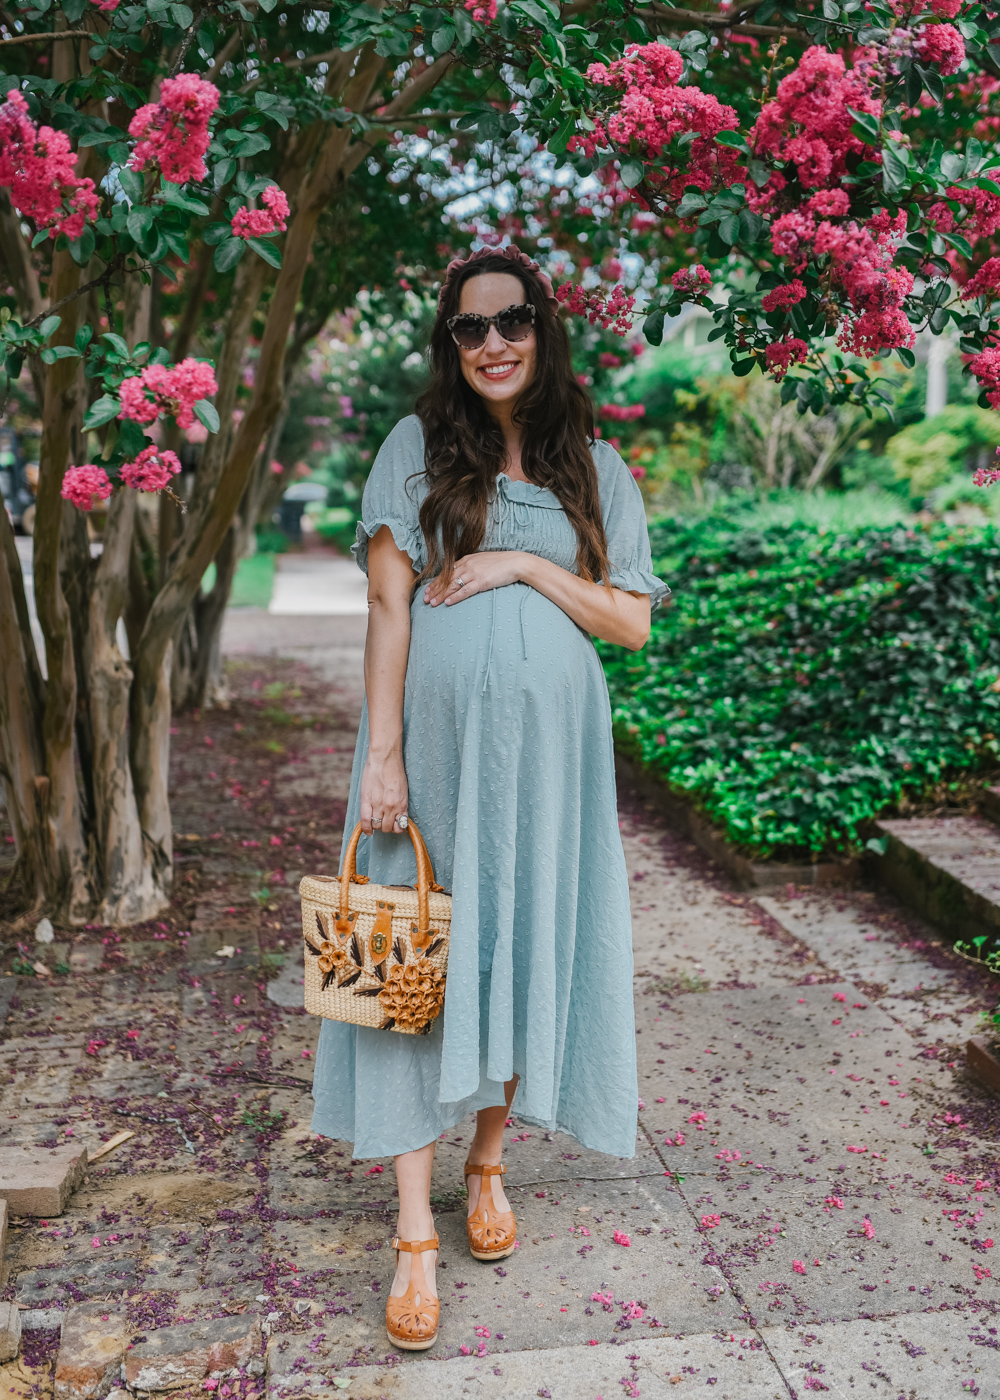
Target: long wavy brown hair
x=464, y=446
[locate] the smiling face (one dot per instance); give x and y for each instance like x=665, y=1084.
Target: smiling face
x=498, y=372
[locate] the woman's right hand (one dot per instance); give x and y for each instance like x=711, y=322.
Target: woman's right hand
x=383, y=793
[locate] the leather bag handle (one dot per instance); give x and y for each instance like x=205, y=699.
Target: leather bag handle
x=425, y=880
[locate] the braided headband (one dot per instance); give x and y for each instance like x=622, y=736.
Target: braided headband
x=513, y=254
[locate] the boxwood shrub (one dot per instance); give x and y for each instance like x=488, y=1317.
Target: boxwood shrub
x=799, y=684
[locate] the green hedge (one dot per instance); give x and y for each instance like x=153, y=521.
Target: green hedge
x=800, y=683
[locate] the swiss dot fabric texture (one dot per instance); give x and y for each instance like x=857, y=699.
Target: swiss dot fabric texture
x=508, y=755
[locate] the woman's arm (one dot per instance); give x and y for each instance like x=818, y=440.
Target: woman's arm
x=387, y=647
x=609, y=613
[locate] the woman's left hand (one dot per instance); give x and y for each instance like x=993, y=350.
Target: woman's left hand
x=477, y=573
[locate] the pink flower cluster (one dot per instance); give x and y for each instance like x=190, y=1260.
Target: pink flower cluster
x=783, y=354
x=692, y=279
x=613, y=313
x=258, y=223
x=986, y=368
x=37, y=165
x=982, y=219
x=151, y=470
x=861, y=260
x=485, y=14
x=621, y=412
x=80, y=485
x=808, y=122
x=985, y=283
x=942, y=44
x=173, y=133
x=946, y=9
x=653, y=111
x=158, y=390
x=783, y=297
x=985, y=476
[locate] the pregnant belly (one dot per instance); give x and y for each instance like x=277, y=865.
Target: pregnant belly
x=508, y=640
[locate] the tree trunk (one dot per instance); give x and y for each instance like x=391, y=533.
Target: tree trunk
x=22, y=702
x=66, y=882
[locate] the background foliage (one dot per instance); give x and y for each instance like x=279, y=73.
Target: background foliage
x=803, y=682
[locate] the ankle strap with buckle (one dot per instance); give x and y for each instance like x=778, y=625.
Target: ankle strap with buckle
x=470, y=1170
x=415, y=1246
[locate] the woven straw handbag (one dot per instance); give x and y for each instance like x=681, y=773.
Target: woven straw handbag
x=376, y=955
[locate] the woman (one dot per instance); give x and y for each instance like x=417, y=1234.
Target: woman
x=496, y=535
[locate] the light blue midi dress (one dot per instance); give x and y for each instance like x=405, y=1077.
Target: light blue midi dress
x=508, y=755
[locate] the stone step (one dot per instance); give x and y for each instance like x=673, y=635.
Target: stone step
x=989, y=804
x=947, y=869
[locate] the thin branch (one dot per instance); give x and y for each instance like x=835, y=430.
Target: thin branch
x=186, y=44
x=43, y=38
x=696, y=18
x=101, y=281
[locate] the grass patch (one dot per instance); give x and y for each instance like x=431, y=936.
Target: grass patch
x=253, y=582
x=805, y=681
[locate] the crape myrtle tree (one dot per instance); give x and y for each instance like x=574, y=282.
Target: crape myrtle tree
x=153, y=150
x=834, y=166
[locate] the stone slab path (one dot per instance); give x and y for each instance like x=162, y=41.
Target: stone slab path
x=812, y=1205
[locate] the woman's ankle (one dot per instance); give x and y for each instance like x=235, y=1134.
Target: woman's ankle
x=415, y=1227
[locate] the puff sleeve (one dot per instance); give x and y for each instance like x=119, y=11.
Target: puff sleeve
x=625, y=526
x=393, y=494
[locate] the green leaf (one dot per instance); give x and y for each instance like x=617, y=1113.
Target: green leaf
x=140, y=222
x=631, y=173
x=733, y=139
x=40, y=237
x=652, y=327
x=251, y=143
x=442, y=39
x=83, y=338
x=866, y=127
x=267, y=5
x=751, y=227
x=228, y=253
x=131, y=438
x=959, y=243
x=117, y=344
x=174, y=198
x=208, y=414
x=101, y=412
x=729, y=228
x=741, y=368
x=131, y=184
x=182, y=16
x=563, y=134
x=895, y=175
x=51, y=353
x=50, y=324
x=691, y=204
x=265, y=250
x=907, y=356
x=464, y=27
x=82, y=250
x=877, y=844
x=831, y=10
x=223, y=171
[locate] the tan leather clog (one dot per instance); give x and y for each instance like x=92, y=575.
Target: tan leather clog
x=412, y=1320
x=492, y=1232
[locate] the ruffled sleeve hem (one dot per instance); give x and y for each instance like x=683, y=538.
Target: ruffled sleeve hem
x=404, y=537
x=639, y=581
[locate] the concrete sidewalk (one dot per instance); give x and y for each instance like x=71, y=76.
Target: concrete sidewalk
x=812, y=1204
